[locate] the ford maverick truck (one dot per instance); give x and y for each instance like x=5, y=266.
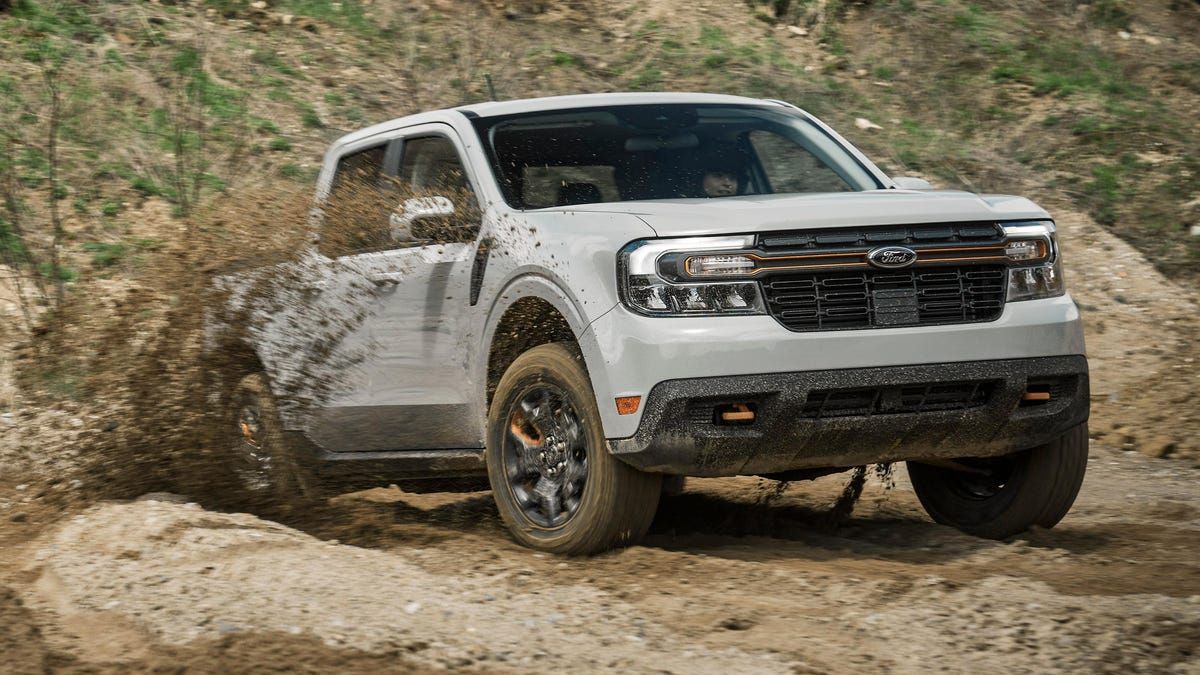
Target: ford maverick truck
x=582, y=298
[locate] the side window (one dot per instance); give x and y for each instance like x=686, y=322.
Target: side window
x=432, y=179
x=792, y=168
x=356, y=211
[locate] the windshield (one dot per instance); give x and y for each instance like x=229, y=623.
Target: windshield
x=673, y=151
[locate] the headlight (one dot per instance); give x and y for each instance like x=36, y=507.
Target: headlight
x=1023, y=250
x=648, y=272
x=1036, y=266
x=716, y=265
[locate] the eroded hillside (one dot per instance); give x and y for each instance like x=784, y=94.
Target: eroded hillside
x=174, y=103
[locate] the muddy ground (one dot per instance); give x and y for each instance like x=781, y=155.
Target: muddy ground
x=729, y=580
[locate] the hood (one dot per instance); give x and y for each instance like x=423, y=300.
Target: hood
x=764, y=213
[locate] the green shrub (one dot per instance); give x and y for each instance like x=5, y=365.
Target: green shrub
x=293, y=171
x=266, y=126
x=146, y=186
x=65, y=273
x=1103, y=193
x=713, y=37
x=715, y=60
x=309, y=117
x=648, y=78
x=1008, y=72
x=12, y=244
x=105, y=254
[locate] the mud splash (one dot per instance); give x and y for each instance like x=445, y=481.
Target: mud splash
x=157, y=366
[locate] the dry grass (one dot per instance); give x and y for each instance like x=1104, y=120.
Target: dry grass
x=8, y=387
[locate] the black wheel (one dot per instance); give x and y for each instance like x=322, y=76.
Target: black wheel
x=556, y=486
x=997, y=497
x=272, y=474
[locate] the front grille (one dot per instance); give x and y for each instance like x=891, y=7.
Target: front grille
x=909, y=398
x=843, y=300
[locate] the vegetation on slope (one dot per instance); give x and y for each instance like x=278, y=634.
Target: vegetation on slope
x=118, y=117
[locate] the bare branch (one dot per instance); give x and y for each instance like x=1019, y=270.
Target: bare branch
x=54, y=91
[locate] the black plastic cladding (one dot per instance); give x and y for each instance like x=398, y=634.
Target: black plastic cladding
x=951, y=233
x=896, y=400
x=923, y=412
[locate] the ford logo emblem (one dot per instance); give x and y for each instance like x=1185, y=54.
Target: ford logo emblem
x=892, y=257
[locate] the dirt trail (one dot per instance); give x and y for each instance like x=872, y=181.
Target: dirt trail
x=723, y=584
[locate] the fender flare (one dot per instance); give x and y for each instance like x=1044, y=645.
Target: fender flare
x=535, y=285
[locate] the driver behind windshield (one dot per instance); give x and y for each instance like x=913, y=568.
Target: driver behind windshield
x=719, y=183
x=721, y=173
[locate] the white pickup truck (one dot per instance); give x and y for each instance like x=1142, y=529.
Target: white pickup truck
x=581, y=296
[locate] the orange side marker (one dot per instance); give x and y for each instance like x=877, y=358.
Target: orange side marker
x=628, y=405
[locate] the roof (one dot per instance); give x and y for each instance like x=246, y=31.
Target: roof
x=493, y=108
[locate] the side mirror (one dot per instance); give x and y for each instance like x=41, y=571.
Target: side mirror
x=413, y=210
x=911, y=183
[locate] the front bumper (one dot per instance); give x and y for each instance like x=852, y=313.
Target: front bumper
x=849, y=417
x=629, y=354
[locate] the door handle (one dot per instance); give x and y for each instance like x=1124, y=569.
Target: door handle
x=386, y=280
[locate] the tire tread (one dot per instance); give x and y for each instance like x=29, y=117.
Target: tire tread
x=624, y=506
x=1049, y=480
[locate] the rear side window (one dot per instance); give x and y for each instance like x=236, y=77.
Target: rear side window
x=356, y=211
x=791, y=167
x=432, y=164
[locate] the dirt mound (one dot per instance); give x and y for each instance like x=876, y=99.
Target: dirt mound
x=26, y=650
x=1141, y=338
x=178, y=574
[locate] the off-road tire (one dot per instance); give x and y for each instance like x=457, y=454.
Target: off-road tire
x=1041, y=487
x=287, y=482
x=618, y=502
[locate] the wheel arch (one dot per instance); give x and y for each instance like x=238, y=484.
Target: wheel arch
x=532, y=311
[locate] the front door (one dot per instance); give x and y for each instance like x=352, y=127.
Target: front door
x=416, y=392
